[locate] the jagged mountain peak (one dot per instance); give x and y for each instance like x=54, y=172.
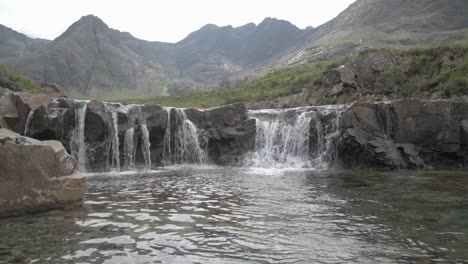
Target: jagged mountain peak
x=86, y=24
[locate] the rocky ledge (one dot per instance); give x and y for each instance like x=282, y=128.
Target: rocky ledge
x=404, y=134
x=36, y=175
x=401, y=134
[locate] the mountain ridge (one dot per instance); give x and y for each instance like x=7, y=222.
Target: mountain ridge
x=382, y=23
x=14, y=44
x=200, y=61
x=95, y=60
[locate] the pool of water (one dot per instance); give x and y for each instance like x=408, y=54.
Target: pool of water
x=232, y=215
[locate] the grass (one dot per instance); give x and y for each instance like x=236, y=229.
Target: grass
x=270, y=86
x=8, y=77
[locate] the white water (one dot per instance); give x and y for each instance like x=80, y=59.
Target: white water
x=293, y=138
x=146, y=146
x=129, y=150
x=183, y=145
x=115, y=141
x=78, y=138
x=28, y=123
x=186, y=144
x=284, y=139
x=167, y=153
x=327, y=152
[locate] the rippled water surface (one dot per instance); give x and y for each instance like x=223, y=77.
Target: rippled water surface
x=232, y=215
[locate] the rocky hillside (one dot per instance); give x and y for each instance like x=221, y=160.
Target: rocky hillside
x=383, y=75
x=14, y=44
x=382, y=23
x=372, y=75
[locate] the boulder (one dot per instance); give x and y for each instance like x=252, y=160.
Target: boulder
x=53, y=90
x=230, y=133
x=228, y=145
x=228, y=115
x=24, y=104
x=36, y=175
x=9, y=116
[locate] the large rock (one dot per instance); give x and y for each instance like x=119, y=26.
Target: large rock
x=229, y=133
x=36, y=175
x=53, y=90
x=407, y=133
x=25, y=103
x=9, y=115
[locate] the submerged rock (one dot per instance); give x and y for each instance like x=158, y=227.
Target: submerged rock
x=36, y=175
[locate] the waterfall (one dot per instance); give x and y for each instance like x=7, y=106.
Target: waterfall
x=135, y=117
x=124, y=142
x=295, y=138
x=115, y=141
x=327, y=152
x=129, y=151
x=183, y=145
x=28, y=123
x=167, y=153
x=146, y=146
x=78, y=146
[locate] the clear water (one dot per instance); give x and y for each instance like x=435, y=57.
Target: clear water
x=232, y=215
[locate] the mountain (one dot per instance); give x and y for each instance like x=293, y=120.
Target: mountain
x=95, y=60
x=385, y=23
x=90, y=58
x=14, y=44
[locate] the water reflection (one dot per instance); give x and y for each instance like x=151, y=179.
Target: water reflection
x=231, y=215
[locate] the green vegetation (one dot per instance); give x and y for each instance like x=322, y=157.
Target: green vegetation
x=433, y=72
x=273, y=85
x=422, y=71
x=11, y=80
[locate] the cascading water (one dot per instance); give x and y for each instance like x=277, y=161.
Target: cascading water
x=125, y=133
x=146, y=146
x=115, y=141
x=295, y=138
x=130, y=138
x=28, y=123
x=181, y=143
x=167, y=153
x=129, y=151
x=326, y=150
x=78, y=138
x=281, y=141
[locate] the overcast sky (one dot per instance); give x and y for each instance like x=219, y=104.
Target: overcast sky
x=157, y=20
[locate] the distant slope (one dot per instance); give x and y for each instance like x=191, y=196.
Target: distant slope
x=373, y=75
x=383, y=23
x=14, y=44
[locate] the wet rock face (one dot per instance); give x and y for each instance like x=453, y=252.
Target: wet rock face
x=36, y=175
x=229, y=133
x=407, y=133
x=224, y=132
x=15, y=107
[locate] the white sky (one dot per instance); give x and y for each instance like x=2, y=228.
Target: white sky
x=158, y=20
